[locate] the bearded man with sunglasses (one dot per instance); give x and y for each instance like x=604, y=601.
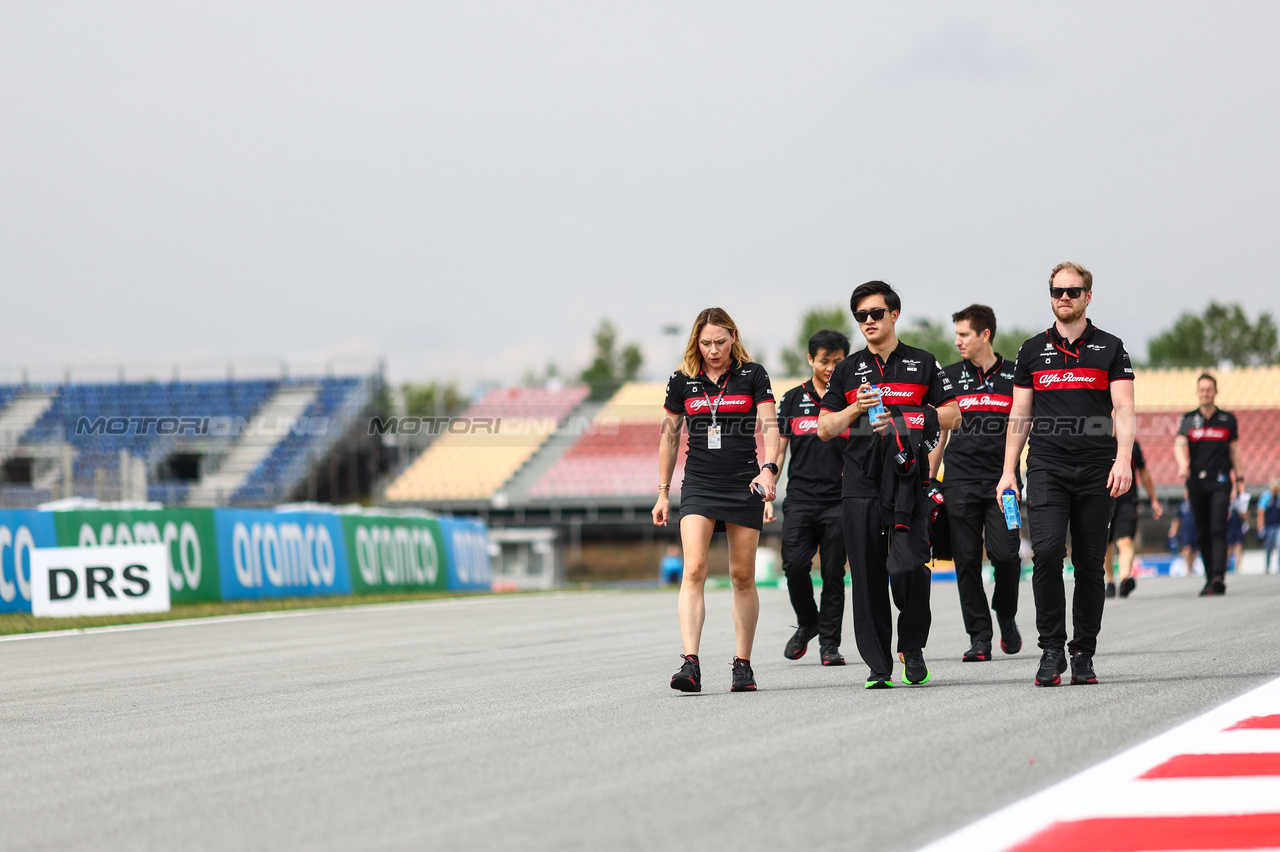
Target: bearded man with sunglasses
x=893, y=557
x=1066, y=383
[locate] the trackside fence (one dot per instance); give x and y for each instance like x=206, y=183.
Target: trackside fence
x=236, y=554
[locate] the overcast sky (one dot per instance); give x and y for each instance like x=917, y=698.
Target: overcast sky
x=465, y=189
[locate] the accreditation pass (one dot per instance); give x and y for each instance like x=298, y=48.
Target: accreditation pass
x=713, y=436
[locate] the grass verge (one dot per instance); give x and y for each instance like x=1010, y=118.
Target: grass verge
x=27, y=623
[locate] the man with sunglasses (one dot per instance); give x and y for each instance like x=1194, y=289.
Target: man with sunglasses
x=1067, y=380
x=884, y=558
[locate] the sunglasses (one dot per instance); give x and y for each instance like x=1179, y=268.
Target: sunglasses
x=1066, y=292
x=876, y=314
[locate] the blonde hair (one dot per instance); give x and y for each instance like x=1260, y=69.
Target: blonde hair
x=1085, y=275
x=692, y=364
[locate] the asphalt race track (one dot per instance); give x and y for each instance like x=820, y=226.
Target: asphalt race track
x=546, y=722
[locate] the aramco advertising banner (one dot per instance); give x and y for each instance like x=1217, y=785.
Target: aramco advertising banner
x=20, y=533
x=188, y=533
x=467, y=542
x=390, y=553
x=281, y=554
x=230, y=554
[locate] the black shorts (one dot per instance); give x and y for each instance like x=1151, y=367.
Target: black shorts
x=1235, y=530
x=1124, y=520
x=726, y=503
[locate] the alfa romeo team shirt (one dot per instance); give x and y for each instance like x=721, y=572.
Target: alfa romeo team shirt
x=1209, y=443
x=813, y=474
x=1071, y=395
x=734, y=399
x=975, y=451
x=909, y=376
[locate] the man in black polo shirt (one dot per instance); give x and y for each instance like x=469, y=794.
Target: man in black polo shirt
x=1066, y=383
x=974, y=460
x=882, y=557
x=1207, y=449
x=811, y=513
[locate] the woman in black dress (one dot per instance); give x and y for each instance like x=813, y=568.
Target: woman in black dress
x=724, y=398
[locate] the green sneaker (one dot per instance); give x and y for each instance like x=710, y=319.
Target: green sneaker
x=878, y=681
x=916, y=672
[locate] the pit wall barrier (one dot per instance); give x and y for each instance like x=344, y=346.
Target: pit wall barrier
x=238, y=554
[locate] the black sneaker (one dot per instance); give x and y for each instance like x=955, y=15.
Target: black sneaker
x=1082, y=669
x=799, y=642
x=875, y=680
x=1111, y=590
x=1010, y=636
x=744, y=680
x=1219, y=587
x=978, y=652
x=1053, y=662
x=689, y=678
x=1127, y=585
x=915, y=672
x=831, y=655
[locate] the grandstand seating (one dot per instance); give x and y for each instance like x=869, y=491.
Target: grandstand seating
x=142, y=399
x=96, y=453
x=474, y=465
x=619, y=454
x=1251, y=393
x=1175, y=389
x=275, y=476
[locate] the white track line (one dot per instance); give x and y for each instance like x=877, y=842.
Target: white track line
x=1109, y=788
x=286, y=613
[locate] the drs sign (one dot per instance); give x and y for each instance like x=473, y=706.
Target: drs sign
x=71, y=581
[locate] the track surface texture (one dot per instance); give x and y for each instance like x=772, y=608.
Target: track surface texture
x=546, y=722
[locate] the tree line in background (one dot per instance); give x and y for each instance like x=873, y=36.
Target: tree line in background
x=1220, y=333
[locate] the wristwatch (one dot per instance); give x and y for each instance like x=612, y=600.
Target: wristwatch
x=771, y=467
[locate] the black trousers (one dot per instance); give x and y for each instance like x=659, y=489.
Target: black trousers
x=971, y=514
x=883, y=561
x=1075, y=496
x=808, y=529
x=1210, y=501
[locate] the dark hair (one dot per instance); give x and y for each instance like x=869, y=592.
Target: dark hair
x=871, y=288
x=980, y=319
x=1204, y=376
x=829, y=340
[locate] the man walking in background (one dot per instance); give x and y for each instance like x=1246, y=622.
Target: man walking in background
x=974, y=460
x=1207, y=449
x=1124, y=525
x=1269, y=523
x=811, y=513
x=1066, y=383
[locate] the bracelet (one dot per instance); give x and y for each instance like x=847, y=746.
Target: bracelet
x=664, y=487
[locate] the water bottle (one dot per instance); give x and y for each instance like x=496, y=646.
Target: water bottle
x=1009, y=499
x=878, y=409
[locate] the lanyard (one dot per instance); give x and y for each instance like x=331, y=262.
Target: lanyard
x=715, y=406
